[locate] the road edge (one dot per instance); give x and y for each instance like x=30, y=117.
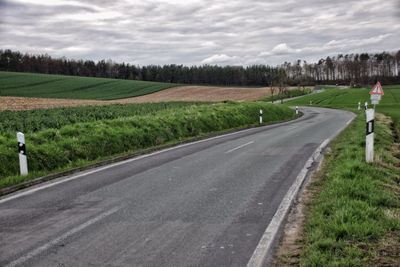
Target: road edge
x=265, y=249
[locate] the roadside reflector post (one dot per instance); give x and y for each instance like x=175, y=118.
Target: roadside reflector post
x=261, y=116
x=376, y=95
x=23, y=163
x=310, y=102
x=359, y=105
x=366, y=105
x=369, y=138
x=297, y=110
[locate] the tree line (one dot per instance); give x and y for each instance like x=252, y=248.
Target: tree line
x=350, y=69
x=353, y=69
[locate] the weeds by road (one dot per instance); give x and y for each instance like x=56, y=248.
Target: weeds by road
x=357, y=205
x=353, y=215
x=70, y=144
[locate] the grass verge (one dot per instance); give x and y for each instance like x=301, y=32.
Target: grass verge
x=357, y=209
x=353, y=217
x=30, y=121
x=82, y=143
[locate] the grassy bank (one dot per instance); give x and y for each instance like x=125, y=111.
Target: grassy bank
x=61, y=86
x=78, y=144
x=353, y=218
x=29, y=121
x=357, y=208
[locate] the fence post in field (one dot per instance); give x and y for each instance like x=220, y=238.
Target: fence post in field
x=261, y=116
x=369, y=135
x=23, y=163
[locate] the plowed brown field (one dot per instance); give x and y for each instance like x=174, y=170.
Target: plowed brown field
x=182, y=93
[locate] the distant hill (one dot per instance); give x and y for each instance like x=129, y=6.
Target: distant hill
x=72, y=87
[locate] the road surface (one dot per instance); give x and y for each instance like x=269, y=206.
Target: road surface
x=202, y=204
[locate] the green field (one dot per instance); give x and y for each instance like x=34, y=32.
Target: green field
x=349, y=98
x=353, y=218
x=72, y=87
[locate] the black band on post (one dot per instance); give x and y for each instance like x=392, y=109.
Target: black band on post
x=21, y=148
x=370, y=127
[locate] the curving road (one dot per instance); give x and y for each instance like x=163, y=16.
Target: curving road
x=205, y=203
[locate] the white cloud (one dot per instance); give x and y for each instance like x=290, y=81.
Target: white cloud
x=280, y=49
x=333, y=46
x=344, y=43
x=51, y=2
x=221, y=59
x=76, y=49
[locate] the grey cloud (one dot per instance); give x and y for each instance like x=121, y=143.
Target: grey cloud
x=200, y=31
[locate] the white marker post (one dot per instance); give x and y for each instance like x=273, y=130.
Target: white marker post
x=261, y=116
x=359, y=105
x=23, y=163
x=369, y=138
x=376, y=95
x=297, y=110
x=366, y=105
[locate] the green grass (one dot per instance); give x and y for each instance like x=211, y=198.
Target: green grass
x=349, y=217
x=72, y=87
x=80, y=143
x=349, y=98
x=30, y=121
x=357, y=209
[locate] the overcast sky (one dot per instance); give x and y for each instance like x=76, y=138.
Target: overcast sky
x=235, y=32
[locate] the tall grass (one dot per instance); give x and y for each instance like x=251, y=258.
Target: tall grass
x=55, y=148
x=29, y=121
x=349, y=216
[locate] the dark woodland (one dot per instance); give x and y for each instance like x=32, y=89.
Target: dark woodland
x=350, y=69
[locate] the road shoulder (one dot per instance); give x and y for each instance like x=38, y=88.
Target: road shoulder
x=349, y=212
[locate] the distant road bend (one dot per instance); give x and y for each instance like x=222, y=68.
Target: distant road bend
x=207, y=203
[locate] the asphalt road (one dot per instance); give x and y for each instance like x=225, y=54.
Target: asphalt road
x=201, y=204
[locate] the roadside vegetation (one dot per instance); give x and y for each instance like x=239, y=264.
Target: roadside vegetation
x=60, y=86
x=94, y=135
x=353, y=217
x=30, y=121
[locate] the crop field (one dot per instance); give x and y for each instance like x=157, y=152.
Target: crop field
x=349, y=98
x=176, y=94
x=71, y=87
x=26, y=91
